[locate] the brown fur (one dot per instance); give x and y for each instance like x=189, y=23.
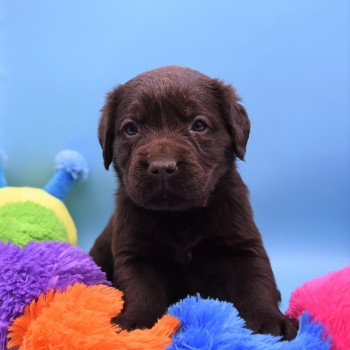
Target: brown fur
x=190, y=230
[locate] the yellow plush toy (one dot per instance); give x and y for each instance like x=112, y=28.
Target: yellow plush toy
x=34, y=214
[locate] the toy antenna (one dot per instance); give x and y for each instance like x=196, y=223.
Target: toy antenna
x=2, y=172
x=70, y=167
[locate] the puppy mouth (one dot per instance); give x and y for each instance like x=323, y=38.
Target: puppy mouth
x=173, y=203
x=165, y=202
x=186, y=189
x=165, y=198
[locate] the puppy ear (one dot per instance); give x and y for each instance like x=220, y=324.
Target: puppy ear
x=107, y=122
x=241, y=128
x=236, y=116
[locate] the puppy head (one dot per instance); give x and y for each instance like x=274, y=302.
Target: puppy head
x=171, y=133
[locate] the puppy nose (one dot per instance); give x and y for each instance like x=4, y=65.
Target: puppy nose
x=162, y=167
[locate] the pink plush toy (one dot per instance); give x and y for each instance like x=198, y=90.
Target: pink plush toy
x=327, y=299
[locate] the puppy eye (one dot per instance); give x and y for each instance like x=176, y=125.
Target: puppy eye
x=199, y=126
x=131, y=129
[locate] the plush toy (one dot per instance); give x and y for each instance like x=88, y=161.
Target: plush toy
x=37, y=268
x=48, y=284
x=33, y=214
x=327, y=298
x=80, y=317
x=208, y=324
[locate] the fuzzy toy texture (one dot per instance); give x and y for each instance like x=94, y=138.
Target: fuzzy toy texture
x=327, y=298
x=80, y=319
x=73, y=163
x=29, y=221
x=70, y=167
x=37, y=268
x=208, y=324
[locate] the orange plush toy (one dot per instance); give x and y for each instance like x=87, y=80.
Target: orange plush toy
x=79, y=319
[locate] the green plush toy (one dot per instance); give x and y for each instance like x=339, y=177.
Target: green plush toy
x=34, y=214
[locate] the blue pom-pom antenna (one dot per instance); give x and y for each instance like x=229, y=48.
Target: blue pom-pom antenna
x=2, y=172
x=70, y=167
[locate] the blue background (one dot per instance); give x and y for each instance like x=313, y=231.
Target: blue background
x=289, y=61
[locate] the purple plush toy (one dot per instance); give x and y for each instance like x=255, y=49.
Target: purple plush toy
x=35, y=269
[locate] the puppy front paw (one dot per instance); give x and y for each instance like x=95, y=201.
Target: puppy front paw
x=124, y=323
x=130, y=321
x=275, y=324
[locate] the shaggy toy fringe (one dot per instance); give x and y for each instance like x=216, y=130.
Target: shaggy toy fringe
x=327, y=298
x=80, y=319
x=208, y=324
x=35, y=269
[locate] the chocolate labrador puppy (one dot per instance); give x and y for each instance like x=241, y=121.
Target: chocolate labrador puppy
x=183, y=223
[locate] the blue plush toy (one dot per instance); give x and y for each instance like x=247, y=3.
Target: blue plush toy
x=208, y=324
